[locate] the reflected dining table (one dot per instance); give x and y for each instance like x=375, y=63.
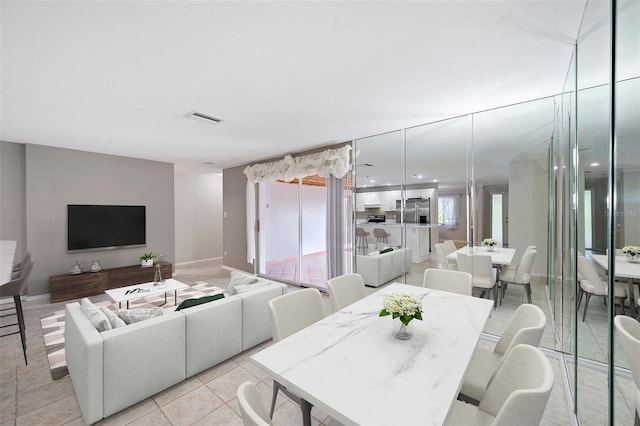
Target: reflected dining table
x=350, y=365
x=7, y=254
x=500, y=256
x=623, y=269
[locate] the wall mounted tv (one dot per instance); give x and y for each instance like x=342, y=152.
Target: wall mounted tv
x=99, y=227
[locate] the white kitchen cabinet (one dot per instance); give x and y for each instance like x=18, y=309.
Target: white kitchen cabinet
x=389, y=200
x=360, y=198
x=418, y=238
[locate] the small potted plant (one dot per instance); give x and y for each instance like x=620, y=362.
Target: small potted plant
x=405, y=308
x=146, y=260
x=632, y=252
x=489, y=243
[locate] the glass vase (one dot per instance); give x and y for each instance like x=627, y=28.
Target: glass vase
x=157, y=279
x=401, y=331
x=633, y=258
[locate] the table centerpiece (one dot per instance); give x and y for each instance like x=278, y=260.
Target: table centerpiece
x=404, y=308
x=489, y=243
x=632, y=253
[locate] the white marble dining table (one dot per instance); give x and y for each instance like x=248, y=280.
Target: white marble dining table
x=350, y=365
x=500, y=256
x=7, y=254
x=623, y=269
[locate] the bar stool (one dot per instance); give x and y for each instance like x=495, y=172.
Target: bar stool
x=15, y=288
x=361, y=238
x=381, y=235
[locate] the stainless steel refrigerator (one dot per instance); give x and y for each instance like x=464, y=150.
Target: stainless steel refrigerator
x=417, y=210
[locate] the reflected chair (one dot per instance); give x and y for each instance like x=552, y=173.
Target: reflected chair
x=345, y=290
x=517, y=395
x=629, y=335
x=446, y=280
x=361, y=238
x=441, y=254
x=517, y=258
x=16, y=288
x=592, y=284
x=18, y=267
x=525, y=327
x=290, y=313
x=381, y=235
x=482, y=271
x=521, y=275
x=251, y=408
x=451, y=246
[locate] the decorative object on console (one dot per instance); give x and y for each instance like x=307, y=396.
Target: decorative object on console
x=405, y=308
x=632, y=252
x=157, y=279
x=146, y=260
x=76, y=268
x=490, y=243
x=96, y=266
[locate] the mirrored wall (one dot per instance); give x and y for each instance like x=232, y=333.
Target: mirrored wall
x=560, y=173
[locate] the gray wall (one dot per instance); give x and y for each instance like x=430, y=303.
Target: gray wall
x=234, y=243
x=12, y=195
x=198, y=215
x=56, y=177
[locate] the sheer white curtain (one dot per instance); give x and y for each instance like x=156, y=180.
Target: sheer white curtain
x=331, y=162
x=449, y=206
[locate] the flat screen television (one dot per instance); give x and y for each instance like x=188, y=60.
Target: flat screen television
x=100, y=227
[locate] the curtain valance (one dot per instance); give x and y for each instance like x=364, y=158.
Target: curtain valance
x=329, y=162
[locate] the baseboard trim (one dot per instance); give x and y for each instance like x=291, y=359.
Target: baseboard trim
x=197, y=261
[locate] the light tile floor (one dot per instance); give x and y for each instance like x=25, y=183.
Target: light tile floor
x=28, y=395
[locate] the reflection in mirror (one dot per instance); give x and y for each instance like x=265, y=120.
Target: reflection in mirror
x=380, y=254
x=436, y=158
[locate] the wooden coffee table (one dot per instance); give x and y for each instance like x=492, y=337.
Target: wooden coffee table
x=132, y=292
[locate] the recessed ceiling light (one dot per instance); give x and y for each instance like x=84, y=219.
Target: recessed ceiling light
x=594, y=164
x=435, y=180
x=418, y=176
x=194, y=115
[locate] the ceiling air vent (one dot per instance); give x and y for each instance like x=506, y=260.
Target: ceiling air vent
x=202, y=117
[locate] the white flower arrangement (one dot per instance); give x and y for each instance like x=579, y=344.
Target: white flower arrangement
x=490, y=242
x=631, y=250
x=403, y=306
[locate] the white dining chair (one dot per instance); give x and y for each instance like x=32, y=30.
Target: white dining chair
x=517, y=395
x=525, y=327
x=441, y=254
x=446, y=280
x=251, y=408
x=292, y=312
x=451, y=246
x=521, y=275
x=629, y=336
x=482, y=272
x=345, y=290
x=592, y=284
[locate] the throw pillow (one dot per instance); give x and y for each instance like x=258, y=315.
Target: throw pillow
x=199, y=301
x=238, y=278
x=114, y=320
x=386, y=250
x=95, y=316
x=129, y=316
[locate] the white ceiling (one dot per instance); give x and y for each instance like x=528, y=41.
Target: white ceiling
x=118, y=77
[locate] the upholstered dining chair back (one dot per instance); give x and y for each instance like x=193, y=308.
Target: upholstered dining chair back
x=519, y=392
x=441, y=254
x=294, y=311
x=345, y=290
x=464, y=262
x=525, y=327
x=523, y=271
x=251, y=407
x=447, y=280
x=629, y=334
x=450, y=245
x=588, y=272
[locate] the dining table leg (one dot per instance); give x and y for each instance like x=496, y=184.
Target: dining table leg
x=306, y=406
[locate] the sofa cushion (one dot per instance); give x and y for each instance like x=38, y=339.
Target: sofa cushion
x=387, y=250
x=199, y=301
x=114, y=320
x=129, y=316
x=239, y=278
x=95, y=316
x=243, y=288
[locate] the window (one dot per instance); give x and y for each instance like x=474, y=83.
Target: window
x=449, y=210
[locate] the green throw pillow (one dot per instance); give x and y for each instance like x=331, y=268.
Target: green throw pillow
x=199, y=301
x=386, y=250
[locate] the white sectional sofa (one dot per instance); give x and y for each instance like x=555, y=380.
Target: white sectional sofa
x=117, y=368
x=377, y=269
